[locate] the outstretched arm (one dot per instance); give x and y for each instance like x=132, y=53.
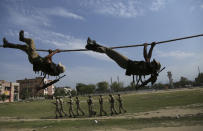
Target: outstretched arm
x=150, y=50
x=147, y=56
x=51, y=53
x=145, y=53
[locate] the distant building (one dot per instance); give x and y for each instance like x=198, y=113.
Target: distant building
x=29, y=86
x=10, y=89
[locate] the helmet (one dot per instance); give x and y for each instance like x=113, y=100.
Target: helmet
x=156, y=64
x=61, y=68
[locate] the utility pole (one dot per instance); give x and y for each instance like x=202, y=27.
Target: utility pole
x=170, y=79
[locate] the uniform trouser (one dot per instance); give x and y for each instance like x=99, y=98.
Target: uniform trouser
x=102, y=110
x=121, y=60
x=113, y=111
x=71, y=111
x=79, y=109
x=90, y=108
x=120, y=107
x=29, y=48
x=62, y=111
x=57, y=112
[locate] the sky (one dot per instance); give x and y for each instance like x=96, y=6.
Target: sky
x=66, y=24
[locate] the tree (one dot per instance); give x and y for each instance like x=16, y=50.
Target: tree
x=85, y=89
x=102, y=86
x=199, y=79
x=3, y=97
x=117, y=86
x=59, y=92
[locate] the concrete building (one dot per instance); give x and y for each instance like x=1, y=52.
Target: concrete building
x=30, y=85
x=10, y=89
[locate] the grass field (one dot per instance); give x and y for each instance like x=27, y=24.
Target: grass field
x=143, y=111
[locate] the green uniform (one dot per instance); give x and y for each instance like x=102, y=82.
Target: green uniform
x=77, y=102
x=57, y=110
x=112, y=108
x=120, y=106
x=39, y=63
x=71, y=114
x=90, y=107
x=61, y=107
x=101, y=106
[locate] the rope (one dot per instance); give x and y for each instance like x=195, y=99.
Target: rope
x=127, y=46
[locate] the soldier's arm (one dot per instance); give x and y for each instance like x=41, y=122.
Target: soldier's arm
x=145, y=52
x=51, y=53
x=150, y=50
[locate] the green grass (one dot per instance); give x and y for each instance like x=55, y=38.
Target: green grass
x=133, y=103
x=87, y=125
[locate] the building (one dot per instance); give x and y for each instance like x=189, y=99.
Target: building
x=10, y=90
x=28, y=86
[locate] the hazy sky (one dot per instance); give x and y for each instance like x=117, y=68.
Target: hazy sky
x=66, y=24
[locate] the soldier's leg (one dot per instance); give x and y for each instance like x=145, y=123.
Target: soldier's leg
x=7, y=44
x=100, y=111
x=70, y=115
x=121, y=60
x=81, y=111
x=114, y=110
x=77, y=111
x=32, y=49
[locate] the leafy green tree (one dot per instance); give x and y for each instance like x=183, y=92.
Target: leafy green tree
x=85, y=89
x=3, y=97
x=59, y=92
x=117, y=86
x=102, y=86
x=199, y=79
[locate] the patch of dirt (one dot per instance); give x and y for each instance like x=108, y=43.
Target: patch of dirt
x=182, y=128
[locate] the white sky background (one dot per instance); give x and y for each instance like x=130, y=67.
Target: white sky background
x=67, y=24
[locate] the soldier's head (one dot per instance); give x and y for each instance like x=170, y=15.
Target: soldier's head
x=156, y=65
x=76, y=97
x=100, y=95
x=110, y=95
x=119, y=95
x=70, y=96
x=61, y=68
x=89, y=96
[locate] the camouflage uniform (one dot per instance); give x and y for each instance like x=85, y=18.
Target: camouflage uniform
x=112, y=108
x=71, y=108
x=43, y=64
x=120, y=106
x=77, y=102
x=61, y=106
x=138, y=68
x=101, y=106
x=90, y=107
x=57, y=111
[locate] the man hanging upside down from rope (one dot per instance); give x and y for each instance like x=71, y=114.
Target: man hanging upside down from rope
x=138, y=68
x=43, y=64
x=39, y=63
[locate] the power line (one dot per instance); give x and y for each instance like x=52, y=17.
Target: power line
x=127, y=46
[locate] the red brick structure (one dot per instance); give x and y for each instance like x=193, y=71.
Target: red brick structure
x=30, y=85
x=10, y=90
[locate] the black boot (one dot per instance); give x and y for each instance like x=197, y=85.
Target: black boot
x=5, y=42
x=92, y=45
x=21, y=35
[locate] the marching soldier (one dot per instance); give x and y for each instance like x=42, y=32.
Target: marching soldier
x=61, y=106
x=112, y=108
x=57, y=111
x=120, y=104
x=70, y=102
x=78, y=107
x=90, y=107
x=101, y=105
